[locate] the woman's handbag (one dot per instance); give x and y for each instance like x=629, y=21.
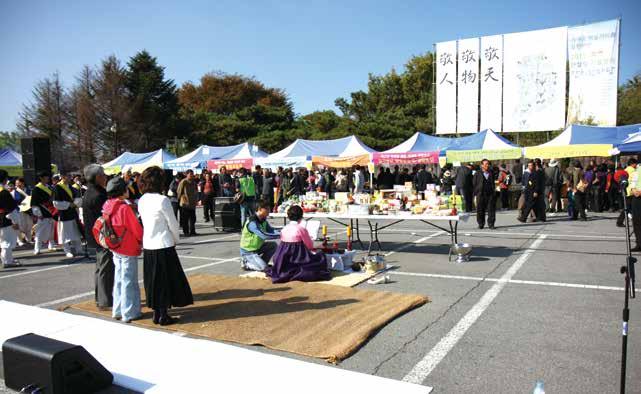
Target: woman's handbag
x=582, y=186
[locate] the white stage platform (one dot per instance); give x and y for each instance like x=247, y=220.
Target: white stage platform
x=152, y=361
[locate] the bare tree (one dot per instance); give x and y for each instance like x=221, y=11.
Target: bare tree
x=83, y=119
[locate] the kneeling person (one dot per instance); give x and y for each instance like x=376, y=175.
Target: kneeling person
x=255, y=253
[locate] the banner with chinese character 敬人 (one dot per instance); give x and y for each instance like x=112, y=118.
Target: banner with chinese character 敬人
x=593, y=52
x=534, y=65
x=491, y=82
x=446, y=87
x=468, y=86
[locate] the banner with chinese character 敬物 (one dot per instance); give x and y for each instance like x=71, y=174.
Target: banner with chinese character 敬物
x=534, y=65
x=593, y=52
x=491, y=82
x=446, y=87
x=468, y=86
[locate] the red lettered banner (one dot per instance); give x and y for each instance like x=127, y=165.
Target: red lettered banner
x=232, y=164
x=405, y=158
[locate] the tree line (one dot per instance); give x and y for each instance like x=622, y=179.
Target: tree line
x=113, y=107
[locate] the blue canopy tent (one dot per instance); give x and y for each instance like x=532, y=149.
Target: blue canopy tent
x=300, y=152
x=11, y=161
x=632, y=144
x=583, y=141
x=198, y=158
x=137, y=161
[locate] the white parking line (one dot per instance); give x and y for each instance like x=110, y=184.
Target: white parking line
x=511, y=281
x=418, y=241
x=36, y=271
x=210, y=240
x=88, y=293
x=437, y=354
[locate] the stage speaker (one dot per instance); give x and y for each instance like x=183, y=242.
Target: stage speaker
x=37, y=364
x=227, y=215
x=36, y=157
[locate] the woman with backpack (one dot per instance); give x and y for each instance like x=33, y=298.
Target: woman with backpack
x=126, y=248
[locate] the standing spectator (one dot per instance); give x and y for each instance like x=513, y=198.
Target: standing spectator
x=245, y=185
x=629, y=170
x=464, y=185
x=267, y=192
x=341, y=182
x=123, y=220
x=226, y=183
x=388, y=182
x=258, y=180
x=359, y=180
x=92, y=204
x=285, y=188
x=485, y=195
x=517, y=171
x=326, y=182
x=165, y=282
x=533, y=193
x=505, y=180
x=423, y=178
x=209, y=194
x=397, y=176
x=188, y=199
x=172, y=193
x=447, y=181
x=553, y=182
x=297, y=184
x=611, y=188
x=579, y=191
x=589, y=176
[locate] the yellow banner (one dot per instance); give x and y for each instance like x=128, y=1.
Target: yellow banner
x=340, y=162
x=467, y=156
x=557, y=152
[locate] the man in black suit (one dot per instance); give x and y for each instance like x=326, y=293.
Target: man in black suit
x=423, y=178
x=533, y=193
x=484, y=190
x=464, y=185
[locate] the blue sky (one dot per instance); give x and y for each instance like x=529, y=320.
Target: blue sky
x=315, y=50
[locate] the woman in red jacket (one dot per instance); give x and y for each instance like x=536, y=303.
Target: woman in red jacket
x=126, y=292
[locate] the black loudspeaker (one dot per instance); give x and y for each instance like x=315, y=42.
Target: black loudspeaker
x=36, y=157
x=227, y=217
x=36, y=364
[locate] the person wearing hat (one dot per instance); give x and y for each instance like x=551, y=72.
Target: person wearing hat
x=92, y=203
x=42, y=209
x=8, y=224
x=65, y=200
x=123, y=220
x=553, y=182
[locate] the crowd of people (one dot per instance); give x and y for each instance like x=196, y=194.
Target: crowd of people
x=145, y=211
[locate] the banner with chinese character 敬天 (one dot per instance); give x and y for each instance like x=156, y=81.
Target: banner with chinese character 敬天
x=446, y=87
x=593, y=52
x=468, y=86
x=534, y=65
x=491, y=82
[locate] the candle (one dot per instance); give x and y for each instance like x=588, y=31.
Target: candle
x=324, y=230
x=349, y=231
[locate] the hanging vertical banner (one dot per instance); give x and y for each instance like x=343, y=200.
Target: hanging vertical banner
x=534, y=66
x=491, y=82
x=446, y=87
x=468, y=86
x=593, y=52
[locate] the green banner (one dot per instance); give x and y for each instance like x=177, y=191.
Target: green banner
x=466, y=156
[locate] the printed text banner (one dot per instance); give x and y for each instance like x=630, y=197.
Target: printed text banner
x=593, y=52
x=491, y=82
x=232, y=164
x=446, y=87
x=405, y=158
x=341, y=162
x=534, y=65
x=467, y=156
x=468, y=86
x=558, y=152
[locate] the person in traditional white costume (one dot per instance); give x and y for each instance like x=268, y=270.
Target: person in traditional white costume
x=8, y=226
x=42, y=209
x=65, y=200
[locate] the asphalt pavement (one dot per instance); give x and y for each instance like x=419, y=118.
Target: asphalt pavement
x=537, y=301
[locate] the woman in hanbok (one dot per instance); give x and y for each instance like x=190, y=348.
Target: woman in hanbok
x=295, y=258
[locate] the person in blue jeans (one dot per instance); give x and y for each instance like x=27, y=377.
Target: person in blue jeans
x=245, y=184
x=120, y=215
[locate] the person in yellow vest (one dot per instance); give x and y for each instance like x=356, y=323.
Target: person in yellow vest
x=65, y=200
x=255, y=252
x=42, y=209
x=245, y=184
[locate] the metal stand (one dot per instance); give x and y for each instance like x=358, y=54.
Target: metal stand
x=629, y=274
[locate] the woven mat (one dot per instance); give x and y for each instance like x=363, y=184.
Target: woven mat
x=339, y=278
x=311, y=319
